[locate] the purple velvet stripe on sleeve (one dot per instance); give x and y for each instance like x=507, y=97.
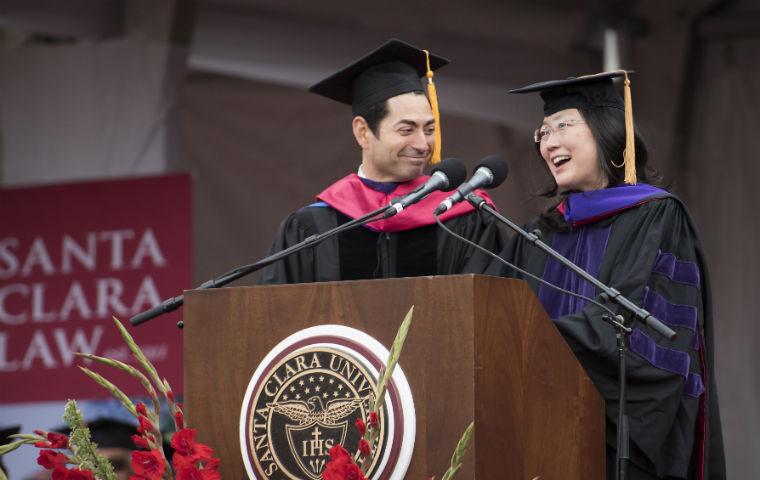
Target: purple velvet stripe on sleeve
x=694, y=385
x=678, y=271
x=672, y=314
x=585, y=247
x=674, y=361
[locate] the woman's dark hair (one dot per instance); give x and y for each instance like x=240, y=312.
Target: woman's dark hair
x=608, y=128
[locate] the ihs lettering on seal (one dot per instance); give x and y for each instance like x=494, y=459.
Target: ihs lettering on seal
x=306, y=405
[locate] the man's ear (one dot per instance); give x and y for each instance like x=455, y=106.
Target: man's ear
x=361, y=131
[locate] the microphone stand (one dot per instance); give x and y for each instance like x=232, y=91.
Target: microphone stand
x=623, y=331
x=173, y=303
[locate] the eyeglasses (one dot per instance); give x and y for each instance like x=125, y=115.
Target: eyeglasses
x=543, y=133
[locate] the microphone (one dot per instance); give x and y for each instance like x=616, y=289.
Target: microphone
x=489, y=173
x=446, y=176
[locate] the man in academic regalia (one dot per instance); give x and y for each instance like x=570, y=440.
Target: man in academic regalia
x=396, y=126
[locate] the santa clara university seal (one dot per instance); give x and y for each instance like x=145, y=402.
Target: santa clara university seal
x=305, y=397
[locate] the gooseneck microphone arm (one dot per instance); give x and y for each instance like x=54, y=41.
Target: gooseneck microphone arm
x=607, y=292
x=171, y=304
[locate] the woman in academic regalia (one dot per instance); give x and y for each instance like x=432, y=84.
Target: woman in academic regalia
x=640, y=240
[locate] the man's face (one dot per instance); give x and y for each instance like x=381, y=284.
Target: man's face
x=404, y=140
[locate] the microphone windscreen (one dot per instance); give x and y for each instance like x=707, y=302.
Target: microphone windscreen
x=498, y=167
x=455, y=171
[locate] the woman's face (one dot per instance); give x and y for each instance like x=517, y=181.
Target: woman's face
x=569, y=149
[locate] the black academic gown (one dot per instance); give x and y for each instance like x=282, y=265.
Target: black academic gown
x=363, y=253
x=649, y=250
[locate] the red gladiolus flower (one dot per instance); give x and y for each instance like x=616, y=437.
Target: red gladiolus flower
x=58, y=440
x=211, y=464
x=179, y=420
x=77, y=474
x=170, y=395
x=337, y=452
x=189, y=455
x=59, y=473
x=148, y=464
x=342, y=471
x=54, y=440
x=183, y=442
x=360, y=425
x=373, y=419
x=145, y=425
x=353, y=472
x=202, y=456
x=50, y=459
x=341, y=466
x=141, y=409
x=334, y=470
x=194, y=473
x=140, y=442
x=364, y=447
x=196, y=468
x=190, y=473
x=63, y=473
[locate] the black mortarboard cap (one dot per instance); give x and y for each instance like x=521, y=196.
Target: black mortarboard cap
x=109, y=433
x=5, y=433
x=588, y=91
x=392, y=69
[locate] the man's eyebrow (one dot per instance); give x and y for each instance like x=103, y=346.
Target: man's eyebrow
x=412, y=123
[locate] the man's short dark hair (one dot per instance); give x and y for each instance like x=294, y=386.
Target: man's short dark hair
x=376, y=113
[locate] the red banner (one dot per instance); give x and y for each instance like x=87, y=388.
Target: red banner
x=72, y=256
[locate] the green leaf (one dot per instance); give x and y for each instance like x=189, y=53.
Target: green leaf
x=387, y=372
x=131, y=371
x=8, y=448
x=113, y=389
x=140, y=356
x=458, y=455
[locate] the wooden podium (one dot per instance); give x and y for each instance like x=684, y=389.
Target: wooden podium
x=479, y=348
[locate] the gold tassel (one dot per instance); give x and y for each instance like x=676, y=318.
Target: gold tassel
x=630, y=140
x=433, y=97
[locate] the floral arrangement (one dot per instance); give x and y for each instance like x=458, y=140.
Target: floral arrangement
x=342, y=466
x=191, y=460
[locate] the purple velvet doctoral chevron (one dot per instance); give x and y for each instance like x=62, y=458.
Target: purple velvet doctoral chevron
x=586, y=207
x=679, y=271
x=584, y=247
x=672, y=314
x=664, y=358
